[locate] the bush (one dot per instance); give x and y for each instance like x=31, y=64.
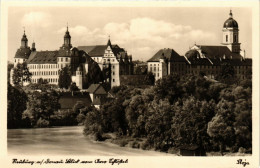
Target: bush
x=135, y=144
x=145, y=146
x=173, y=150
x=98, y=137
x=242, y=150
x=42, y=123
x=123, y=143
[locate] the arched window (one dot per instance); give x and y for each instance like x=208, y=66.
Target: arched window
x=226, y=38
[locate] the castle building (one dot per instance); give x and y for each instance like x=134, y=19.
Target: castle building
x=111, y=59
x=204, y=58
x=46, y=65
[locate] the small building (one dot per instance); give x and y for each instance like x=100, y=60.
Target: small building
x=98, y=94
x=68, y=100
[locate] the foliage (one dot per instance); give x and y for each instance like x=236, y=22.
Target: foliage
x=41, y=105
x=94, y=75
x=64, y=77
x=179, y=111
x=149, y=78
x=17, y=99
x=9, y=67
x=74, y=87
x=21, y=74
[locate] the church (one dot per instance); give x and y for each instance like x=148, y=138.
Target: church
x=111, y=59
x=204, y=58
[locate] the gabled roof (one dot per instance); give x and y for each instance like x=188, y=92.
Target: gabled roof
x=99, y=50
x=169, y=54
x=96, y=89
x=214, y=52
x=43, y=57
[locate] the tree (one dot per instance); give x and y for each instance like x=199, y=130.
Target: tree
x=64, y=77
x=169, y=87
x=221, y=127
x=149, y=78
x=189, y=125
x=41, y=105
x=74, y=87
x=158, y=125
x=9, y=67
x=17, y=99
x=21, y=74
x=227, y=74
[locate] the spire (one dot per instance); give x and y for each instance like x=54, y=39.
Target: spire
x=230, y=14
x=67, y=27
x=109, y=42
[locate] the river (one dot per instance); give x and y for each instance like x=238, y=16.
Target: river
x=65, y=141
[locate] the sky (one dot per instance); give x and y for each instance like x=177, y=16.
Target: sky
x=142, y=31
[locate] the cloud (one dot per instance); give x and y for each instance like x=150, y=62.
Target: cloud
x=141, y=36
x=37, y=19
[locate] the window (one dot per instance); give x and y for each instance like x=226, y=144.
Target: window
x=66, y=59
x=151, y=68
x=113, y=80
x=113, y=73
x=226, y=38
x=61, y=59
x=113, y=66
x=154, y=68
x=235, y=38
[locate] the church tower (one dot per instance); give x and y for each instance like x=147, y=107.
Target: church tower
x=24, y=41
x=67, y=39
x=230, y=34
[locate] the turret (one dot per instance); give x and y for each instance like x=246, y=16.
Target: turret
x=33, y=46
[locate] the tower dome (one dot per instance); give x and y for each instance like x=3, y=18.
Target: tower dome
x=67, y=34
x=230, y=22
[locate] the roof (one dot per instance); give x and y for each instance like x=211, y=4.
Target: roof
x=200, y=61
x=96, y=89
x=230, y=22
x=100, y=101
x=99, y=50
x=43, y=57
x=67, y=101
x=169, y=54
x=23, y=52
x=214, y=52
x=87, y=49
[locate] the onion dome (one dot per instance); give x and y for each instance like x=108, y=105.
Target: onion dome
x=230, y=22
x=24, y=38
x=192, y=54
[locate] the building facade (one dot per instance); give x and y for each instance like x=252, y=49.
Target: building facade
x=204, y=59
x=46, y=65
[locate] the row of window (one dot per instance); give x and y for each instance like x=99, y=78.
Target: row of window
x=43, y=66
x=45, y=73
x=65, y=59
x=50, y=80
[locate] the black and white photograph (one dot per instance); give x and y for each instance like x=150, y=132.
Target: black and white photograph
x=108, y=83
